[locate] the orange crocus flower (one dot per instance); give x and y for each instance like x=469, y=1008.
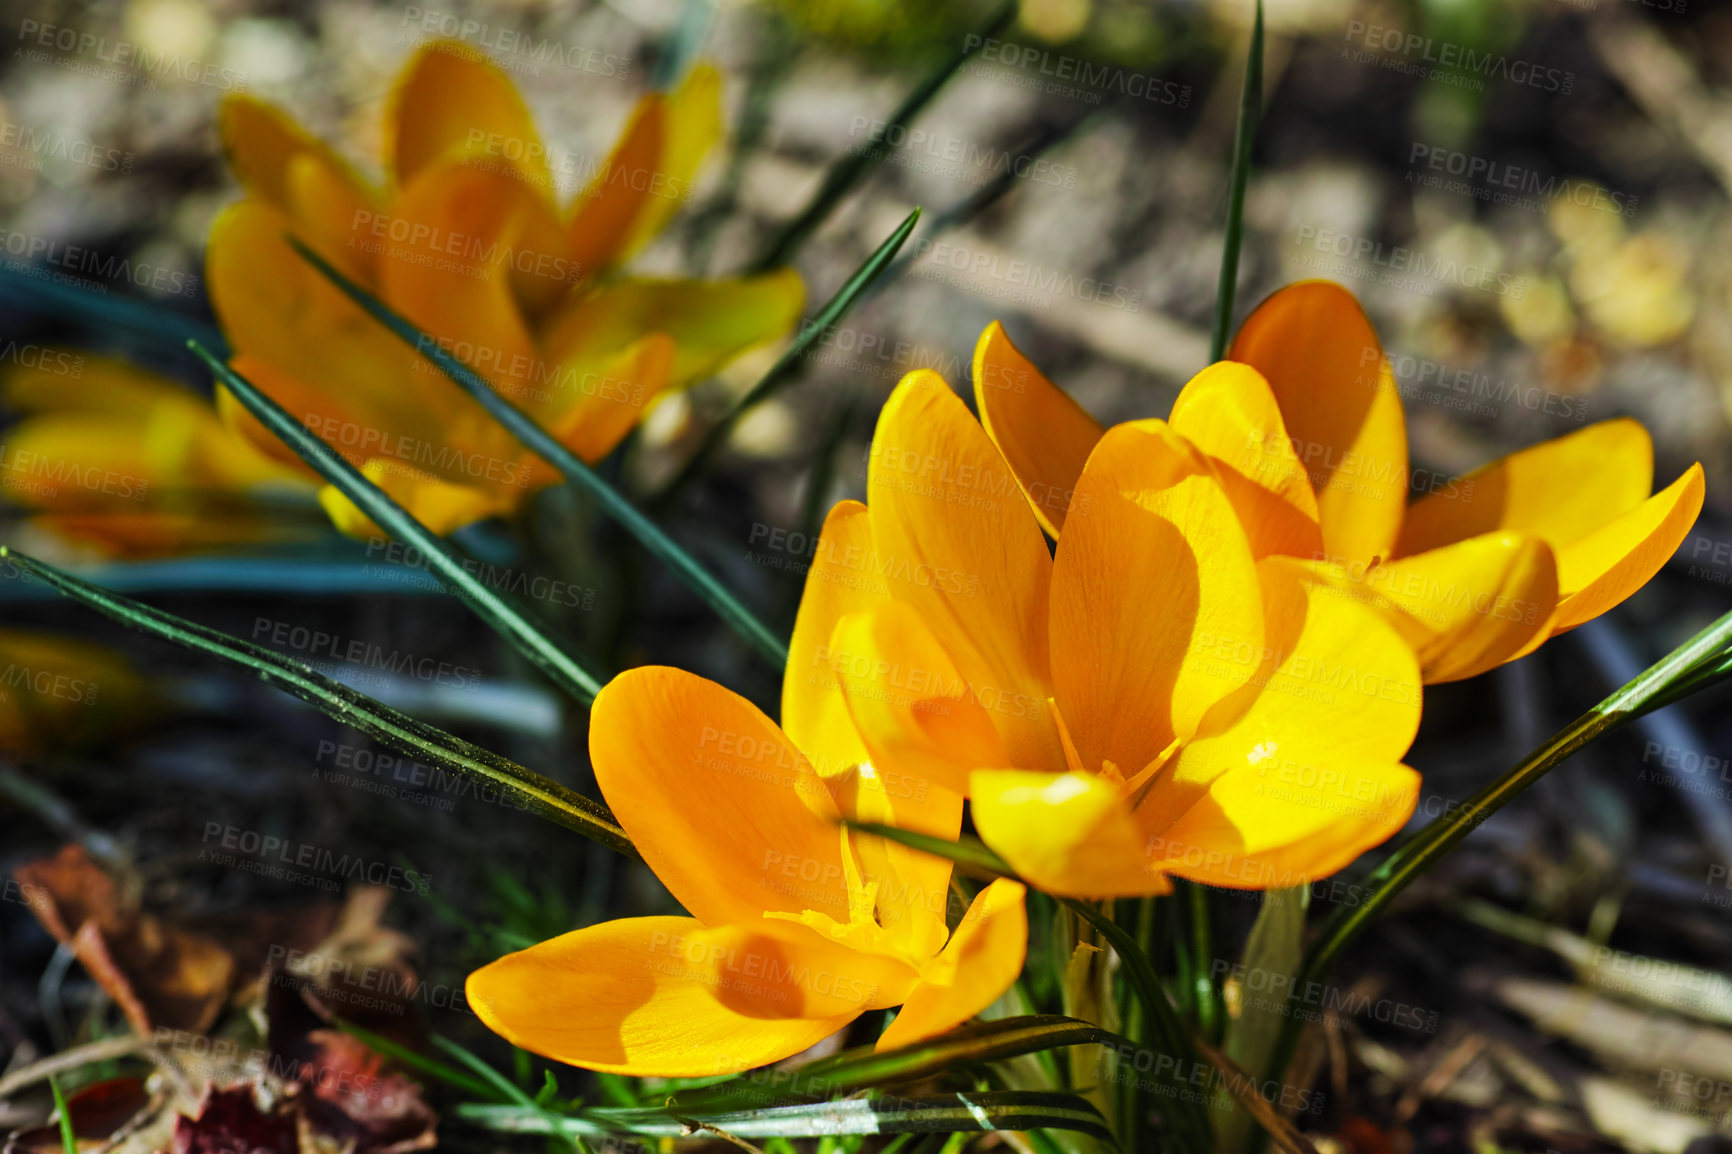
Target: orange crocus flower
x=1163, y=696
x=1475, y=573
x=797, y=925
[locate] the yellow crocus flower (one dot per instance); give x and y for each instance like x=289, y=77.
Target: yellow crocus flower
x=134, y=465
x=797, y=925
x=1480, y=570
x=468, y=241
x=1157, y=697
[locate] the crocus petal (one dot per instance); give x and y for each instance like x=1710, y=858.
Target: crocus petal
x=1313, y=344
x=981, y=960
x=691, y=127
x=262, y=145
x=1560, y=490
x=105, y=385
x=1467, y=607
x=1044, y=436
x=609, y=207
x=610, y=402
x=912, y=707
x=1229, y=412
x=647, y=996
x=710, y=321
x=725, y=810
x=321, y=355
x=442, y=506
x=458, y=282
x=816, y=717
x=1599, y=570
x=1271, y=826
x=1071, y=834
x=452, y=101
x=839, y=582
x=1155, y=607
x=956, y=543
x=332, y=215
x=1337, y=683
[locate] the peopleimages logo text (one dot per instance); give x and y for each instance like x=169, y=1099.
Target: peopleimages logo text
x=1412, y=47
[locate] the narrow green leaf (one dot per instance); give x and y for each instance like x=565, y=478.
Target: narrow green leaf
x=981, y=198
x=569, y=464
x=420, y=1063
x=847, y=171
x=1250, y=106
x=1273, y=954
x=105, y=312
x=964, y=852
x=1693, y=665
x=502, y=1086
x=529, y=638
x=858, y=1069
x=811, y=332
x=68, y=1139
x=1206, y=997
x=399, y=731
x=945, y=1113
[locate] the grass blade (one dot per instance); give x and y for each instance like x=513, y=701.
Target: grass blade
x=569, y=464
x=946, y=1113
x=502, y=1085
x=107, y=313
x=1250, y=107
x=399, y=731
x=68, y=1139
x=857, y=1069
x=529, y=638
x=845, y=173
x=810, y=333
x=422, y=1064
x=983, y=197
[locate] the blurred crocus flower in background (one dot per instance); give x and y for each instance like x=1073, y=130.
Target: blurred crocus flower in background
x=130, y=464
x=59, y=693
x=468, y=241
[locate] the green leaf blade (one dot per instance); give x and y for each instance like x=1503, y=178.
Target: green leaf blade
x=527, y=637
x=572, y=467
x=811, y=332
x=399, y=731
x=851, y=168
x=1250, y=109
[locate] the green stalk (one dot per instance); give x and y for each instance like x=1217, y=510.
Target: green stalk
x=1250, y=105
x=68, y=1138
x=570, y=465
x=845, y=173
x=811, y=332
x=527, y=637
x=1695, y=663
x=1202, y=957
x=389, y=727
